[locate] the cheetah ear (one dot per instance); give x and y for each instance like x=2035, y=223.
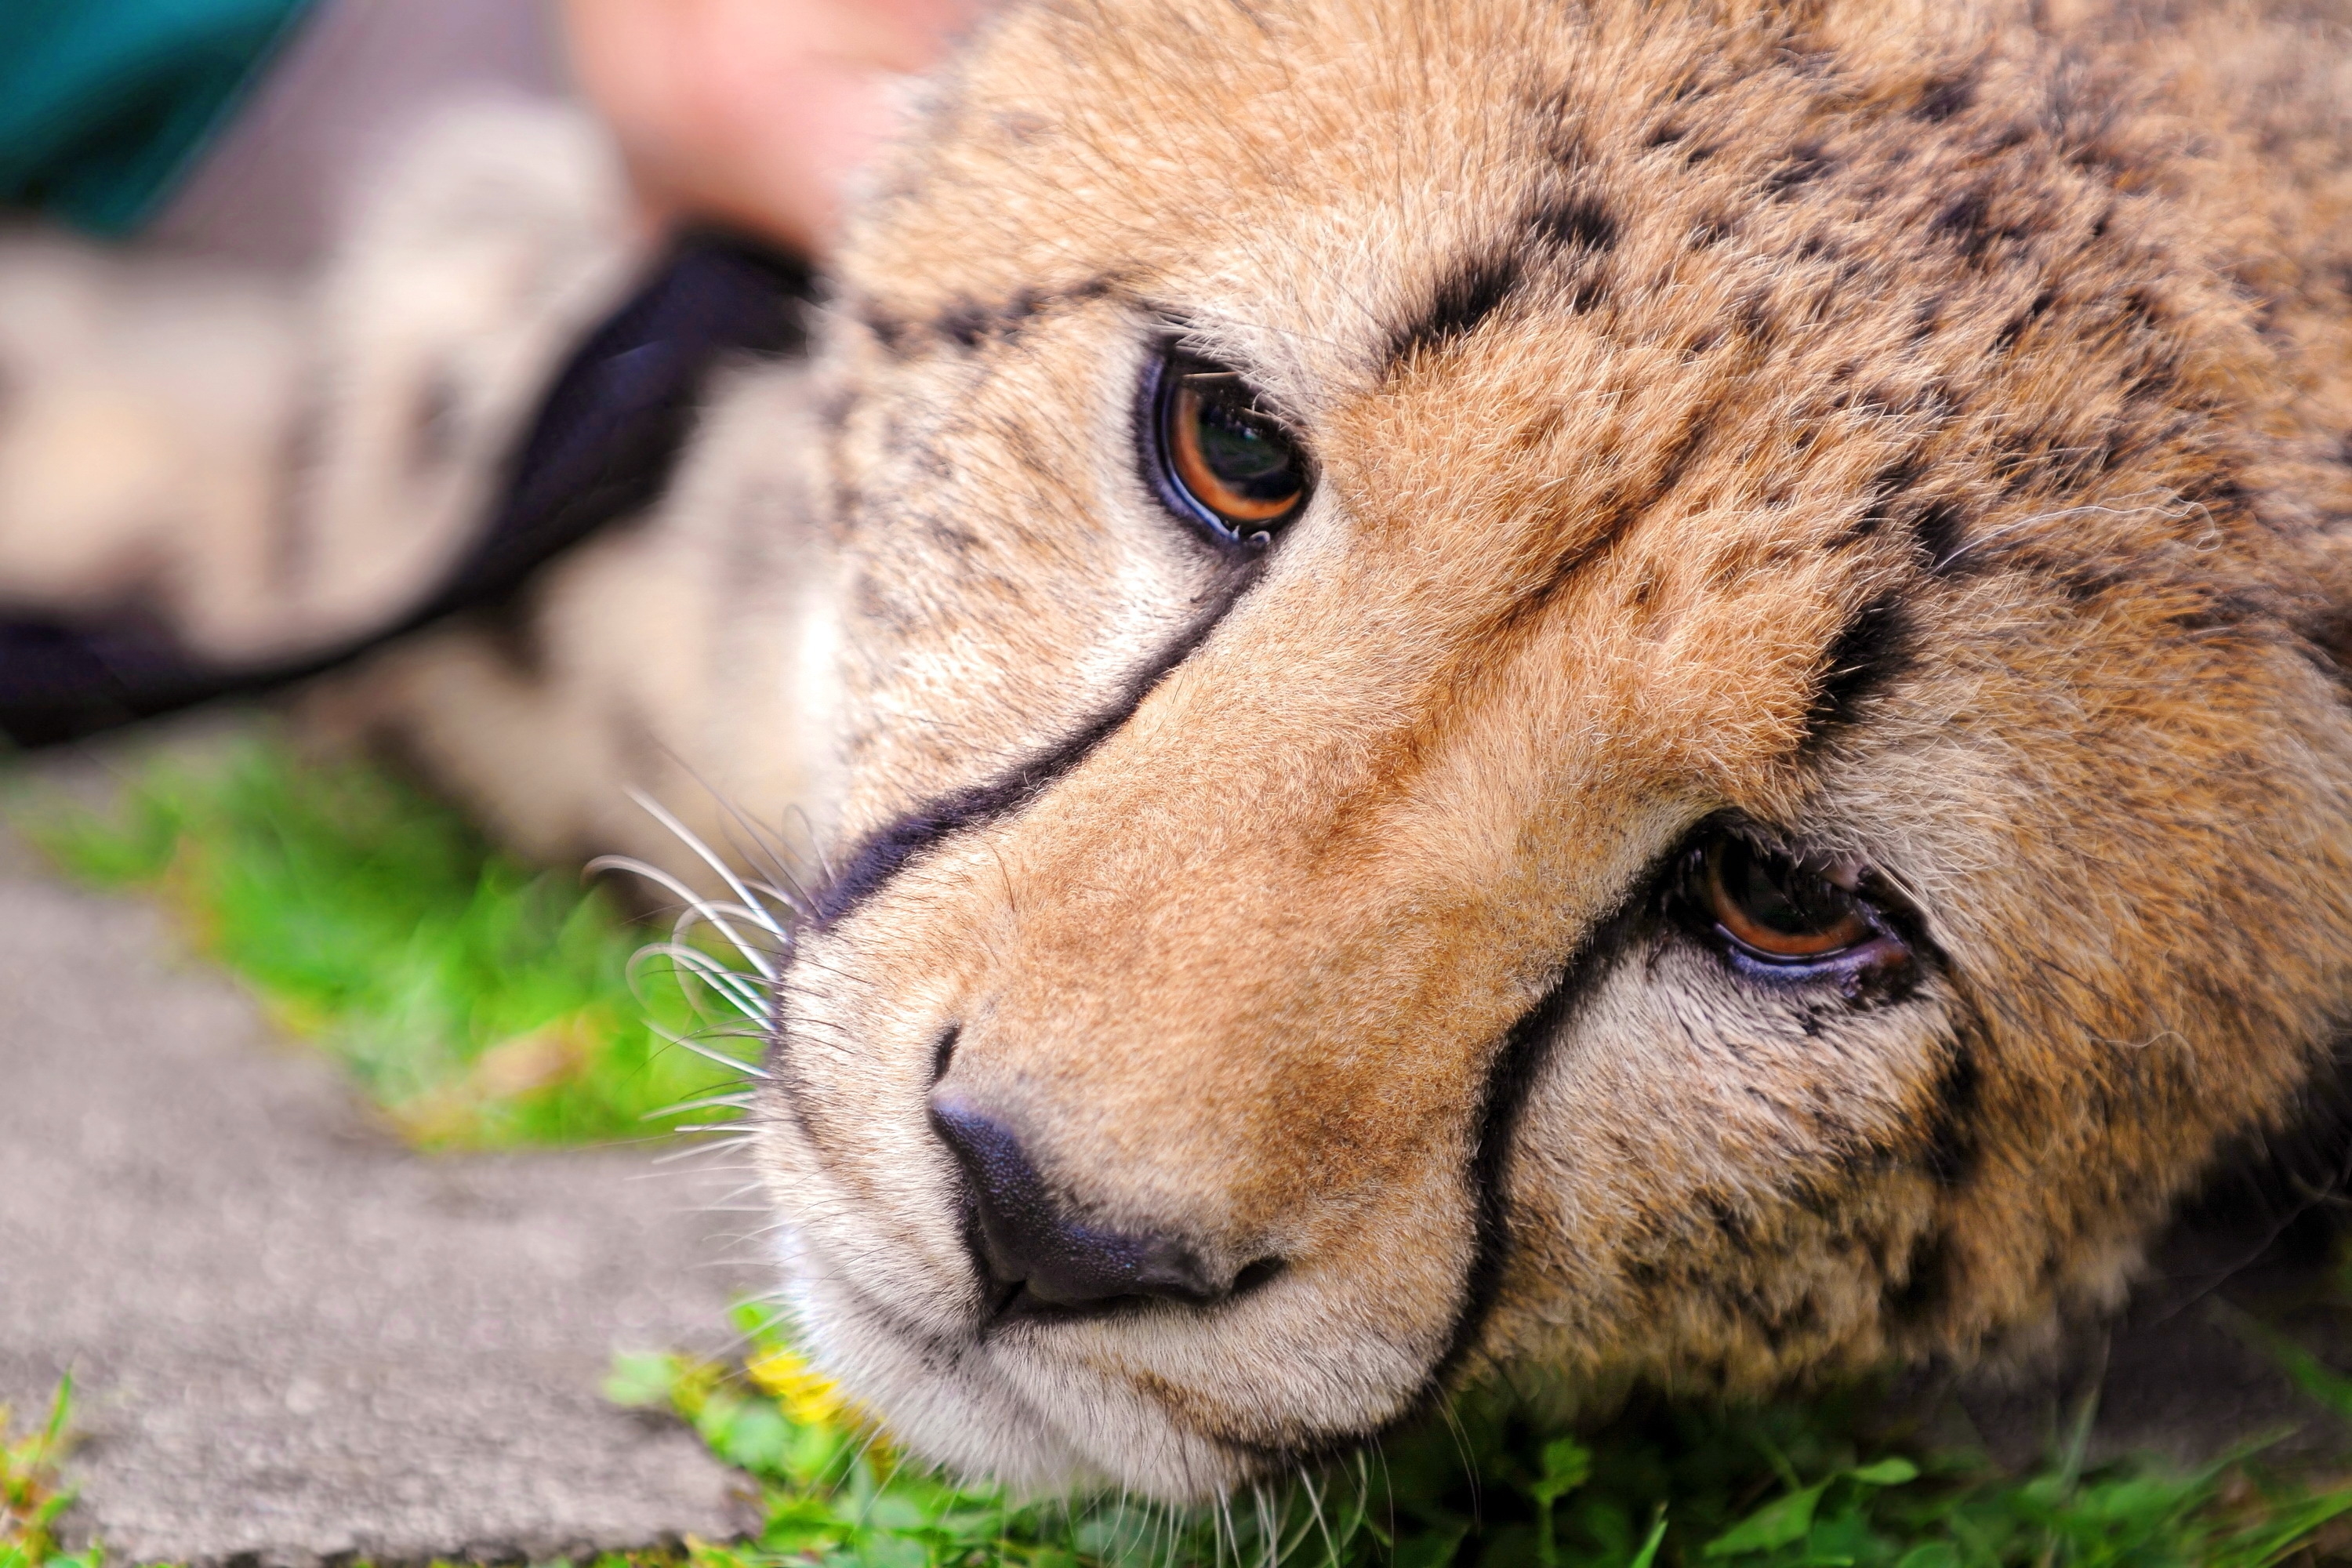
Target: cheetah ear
x=601, y=447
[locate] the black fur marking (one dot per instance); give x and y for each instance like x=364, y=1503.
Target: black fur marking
x=2324, y=642
x=964, y=325
x=1802, y=167
x=888, y=331
x=1942, y=533
x=2014, y=328
x=1871, y=650
x=1585, y=293
x=1466, y=297
x=890, y=849
x=1950, y=1151
x=1709, y=232
x=968, y=324
x=1968, y=222
x=1889, y=493
x=1459, y=305
x=1582, y=224
x=1927, y=1284
x=1943, y=99
x=517, y=632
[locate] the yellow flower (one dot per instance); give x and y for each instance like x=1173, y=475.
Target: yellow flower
x=809, y=1398
x=807, y=1395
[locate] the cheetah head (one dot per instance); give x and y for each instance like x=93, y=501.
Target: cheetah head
x=1635, y=687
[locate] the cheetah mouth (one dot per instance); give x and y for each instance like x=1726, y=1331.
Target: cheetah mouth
x=1004, y=1405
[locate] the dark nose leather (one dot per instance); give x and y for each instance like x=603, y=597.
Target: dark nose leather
x=1036, y=1254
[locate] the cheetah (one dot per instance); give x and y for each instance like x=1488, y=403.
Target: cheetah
x=1649, y=689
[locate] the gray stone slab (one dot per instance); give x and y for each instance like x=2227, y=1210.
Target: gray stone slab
x=295, y=1339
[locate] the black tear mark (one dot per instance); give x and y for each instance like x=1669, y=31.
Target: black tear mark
x=1949, y=1155
x=892, y=847
x=1871, y=649
x=1510, y=1081
x=1509, y=1084
x=1459, y=305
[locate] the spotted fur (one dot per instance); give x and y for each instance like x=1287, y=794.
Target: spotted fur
x=1920, y=433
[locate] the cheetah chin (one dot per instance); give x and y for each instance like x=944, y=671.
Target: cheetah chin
x=1643, y=690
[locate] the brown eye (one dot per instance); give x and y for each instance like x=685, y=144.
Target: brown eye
x=1232, y=464
x=1775, y=907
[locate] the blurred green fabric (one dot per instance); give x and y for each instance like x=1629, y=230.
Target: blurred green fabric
x=104, y=104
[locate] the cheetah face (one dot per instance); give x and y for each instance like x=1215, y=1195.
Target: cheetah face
x=1625, y=687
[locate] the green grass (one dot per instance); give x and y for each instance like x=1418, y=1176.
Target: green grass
x=482, y=1001
x=486, y=1004
x=1664, y=1486
x=32, y=1493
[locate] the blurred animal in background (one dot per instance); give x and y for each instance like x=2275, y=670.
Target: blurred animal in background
x=1626, y=690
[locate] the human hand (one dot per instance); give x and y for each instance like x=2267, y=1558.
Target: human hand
x=752, y=111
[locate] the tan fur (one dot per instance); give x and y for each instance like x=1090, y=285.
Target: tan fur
x=1649, y=356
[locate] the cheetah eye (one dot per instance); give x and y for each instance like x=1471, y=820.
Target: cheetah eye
x=1221, y=458
x=1773, y=908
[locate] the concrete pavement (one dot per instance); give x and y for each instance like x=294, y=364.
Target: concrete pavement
x=296, y=1340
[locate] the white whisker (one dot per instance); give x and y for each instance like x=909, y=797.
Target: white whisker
x=708, y=1102
x=732, y=984
x=700, y=906
x=686, y=835
x=747, y=1068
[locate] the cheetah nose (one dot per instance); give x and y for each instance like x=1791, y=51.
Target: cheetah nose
x=1039, y=1259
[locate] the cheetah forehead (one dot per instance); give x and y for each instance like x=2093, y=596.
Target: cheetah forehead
x=1835, y=307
